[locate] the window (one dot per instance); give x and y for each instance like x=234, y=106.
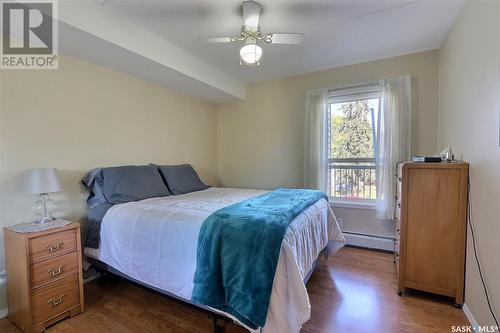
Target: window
x=352, y=133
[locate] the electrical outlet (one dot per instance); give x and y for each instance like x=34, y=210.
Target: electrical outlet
x=3, y=278
x=340, y=221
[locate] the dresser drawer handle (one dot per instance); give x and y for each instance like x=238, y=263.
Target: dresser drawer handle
x=54, y=248
x=396, y=219
x=56, y=272
x=56, y=303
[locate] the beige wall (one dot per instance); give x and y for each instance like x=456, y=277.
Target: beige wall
x=364, y=221
x=261, y=140
x=469, y=106
x=84, y=116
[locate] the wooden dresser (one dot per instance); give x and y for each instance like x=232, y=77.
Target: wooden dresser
x=44, y=276
x=431, y=221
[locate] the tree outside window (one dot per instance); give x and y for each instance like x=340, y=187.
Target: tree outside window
x=352, y=143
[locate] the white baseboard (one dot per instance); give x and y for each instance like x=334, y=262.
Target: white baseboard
x=4, y=313
x=372, y=242
x=470, y=317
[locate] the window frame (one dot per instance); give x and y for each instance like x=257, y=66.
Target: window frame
x=343, y=96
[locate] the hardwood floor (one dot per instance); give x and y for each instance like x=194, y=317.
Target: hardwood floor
x=355, y=291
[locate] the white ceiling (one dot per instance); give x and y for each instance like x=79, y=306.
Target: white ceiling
x=160, y=40
x=97, y=34
x=337, y=32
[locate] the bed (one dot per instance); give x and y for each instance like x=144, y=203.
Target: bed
x=154, y=242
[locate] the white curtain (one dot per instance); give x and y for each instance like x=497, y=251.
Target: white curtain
x=394, y=140
x=316, y=141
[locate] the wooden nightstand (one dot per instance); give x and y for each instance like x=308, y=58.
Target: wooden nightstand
x=44, y=276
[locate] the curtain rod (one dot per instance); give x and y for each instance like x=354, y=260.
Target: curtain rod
x=354, y=87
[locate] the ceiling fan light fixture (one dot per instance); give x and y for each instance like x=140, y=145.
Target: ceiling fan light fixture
x=250, y=34
x=250, y=53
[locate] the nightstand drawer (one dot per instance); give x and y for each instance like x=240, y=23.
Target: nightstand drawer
x=53, y=269
x=51, y=245
x=55, y=299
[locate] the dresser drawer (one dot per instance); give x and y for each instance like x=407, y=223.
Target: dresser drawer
x=52, y=269
x=397, y=209
x=399, y=181
x=51, y=245
x=397, y=228
x=55, y=298
x=396, y=259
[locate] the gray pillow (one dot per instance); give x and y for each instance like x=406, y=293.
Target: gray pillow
x=131, y=183
x=181, y=179
x=96, y=197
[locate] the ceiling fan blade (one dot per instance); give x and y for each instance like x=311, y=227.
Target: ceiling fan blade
x=217, y=40
x=251, y=14
x=285, y=38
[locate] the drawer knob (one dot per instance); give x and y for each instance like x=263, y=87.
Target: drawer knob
x=54, y=248
x=55, y=272
x=56, y=302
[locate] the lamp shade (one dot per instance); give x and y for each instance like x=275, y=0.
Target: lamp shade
x=37, y=181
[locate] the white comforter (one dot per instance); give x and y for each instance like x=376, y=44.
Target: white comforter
x=154, y=241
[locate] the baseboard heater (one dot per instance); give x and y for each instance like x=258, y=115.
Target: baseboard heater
x=369, y=241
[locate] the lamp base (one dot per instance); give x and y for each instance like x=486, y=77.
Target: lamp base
x=46, y=219
x=44, y=209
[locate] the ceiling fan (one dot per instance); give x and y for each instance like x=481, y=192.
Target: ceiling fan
x=251, y=52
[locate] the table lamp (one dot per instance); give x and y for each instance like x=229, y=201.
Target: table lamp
x=42, y=182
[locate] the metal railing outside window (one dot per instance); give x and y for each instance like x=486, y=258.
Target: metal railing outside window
x=352, y=178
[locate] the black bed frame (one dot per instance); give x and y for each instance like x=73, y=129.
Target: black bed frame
x=104, y=268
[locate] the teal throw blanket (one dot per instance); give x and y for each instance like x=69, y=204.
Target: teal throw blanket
x=238, y=251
